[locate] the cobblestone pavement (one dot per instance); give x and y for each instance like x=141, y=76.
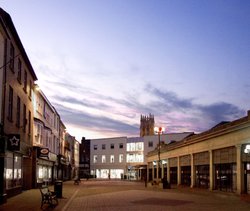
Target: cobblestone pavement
x=102, y=195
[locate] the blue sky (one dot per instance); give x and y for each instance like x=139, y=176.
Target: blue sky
x=103, y=63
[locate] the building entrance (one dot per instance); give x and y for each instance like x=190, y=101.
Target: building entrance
x=186, y=175
x=202, y=176
x=173, y=175
x=225, y=177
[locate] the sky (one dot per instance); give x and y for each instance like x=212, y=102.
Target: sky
x=104, y=63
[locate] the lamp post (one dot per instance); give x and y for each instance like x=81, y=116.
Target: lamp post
x=159, y=131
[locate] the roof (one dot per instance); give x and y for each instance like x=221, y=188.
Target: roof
x=6, y=19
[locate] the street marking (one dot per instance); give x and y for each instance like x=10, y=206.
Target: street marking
x=69, y=201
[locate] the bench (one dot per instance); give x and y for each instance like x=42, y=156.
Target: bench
x=48, y=197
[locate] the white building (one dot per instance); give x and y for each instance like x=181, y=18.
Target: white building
x=124, y=157
x=108, y=157
x=139, y=147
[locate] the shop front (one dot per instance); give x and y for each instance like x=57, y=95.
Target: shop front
x=202, y=176
x=15, y=159
x=45, y=167
x=225, y=169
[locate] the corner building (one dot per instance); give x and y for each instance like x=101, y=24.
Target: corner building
x=108, y=157
x=16, y=112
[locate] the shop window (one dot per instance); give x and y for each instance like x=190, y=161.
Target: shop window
x=13, y=170
x=44, y=174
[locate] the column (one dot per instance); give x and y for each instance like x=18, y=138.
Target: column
x=157, y=170
x=162, y=170
x=211, y=171
x=168, y=170
x=192, y=171
x=178, y=171
x=147, y=172
x=240, y=173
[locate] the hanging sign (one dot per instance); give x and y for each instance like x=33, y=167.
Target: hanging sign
x=13, y=143
x=44, y=152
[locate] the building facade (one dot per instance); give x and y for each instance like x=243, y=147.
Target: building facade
x=124, y=157
x=73, y=156
x=107, y=157
x=17, y=81
x=84, y=159
x=139, y=147
x=218, y=159
x=45, y=140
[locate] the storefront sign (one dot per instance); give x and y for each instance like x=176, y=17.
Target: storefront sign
x=13, y=143
x=44, y=152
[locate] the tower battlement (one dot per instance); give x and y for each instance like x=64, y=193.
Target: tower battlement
x=147, y=125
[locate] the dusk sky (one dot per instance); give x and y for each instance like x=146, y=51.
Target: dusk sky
x=103, y=63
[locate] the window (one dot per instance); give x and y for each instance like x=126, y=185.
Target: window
x=95, y=147
x=121, y=145
x=24, y=118
x=10, y=105
x=134, y=158
x=25, y=81
x=120, y=158
x=104, y=146
x=103, y=158
x=19, y=71
x=112, y=146
x=95, y=159
x=150, y=144
x=112, y=158
x=11, y=57
x=18, y=112
x=30, y=89
x=13, y=170
x=29, y=122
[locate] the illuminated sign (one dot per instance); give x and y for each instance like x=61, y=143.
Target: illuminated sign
x=13, y=143
x=247, y=149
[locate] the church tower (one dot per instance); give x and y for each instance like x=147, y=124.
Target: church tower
x=147, y=125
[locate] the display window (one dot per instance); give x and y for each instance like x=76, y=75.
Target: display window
x=44, y=174
x=13, y=170
x=202, y=176
x=225, y=177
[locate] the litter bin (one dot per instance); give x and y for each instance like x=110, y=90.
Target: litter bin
x=58, y=188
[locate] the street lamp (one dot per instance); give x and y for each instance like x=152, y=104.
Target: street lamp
x=159, y=131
